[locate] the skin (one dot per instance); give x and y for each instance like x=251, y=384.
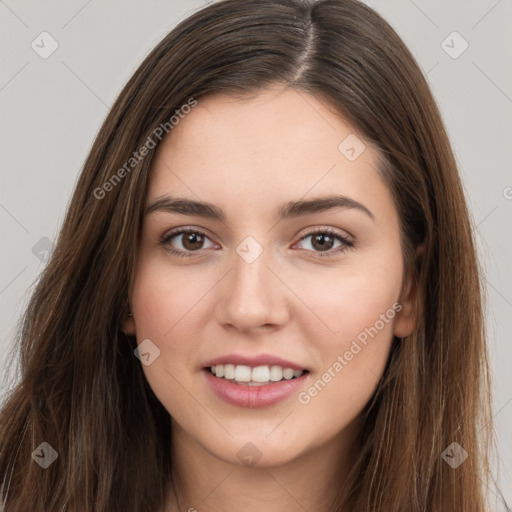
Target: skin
x=249, y=157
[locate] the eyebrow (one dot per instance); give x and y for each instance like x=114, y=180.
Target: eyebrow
x=289, y=210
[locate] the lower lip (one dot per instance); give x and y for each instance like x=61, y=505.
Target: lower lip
x=252, y=397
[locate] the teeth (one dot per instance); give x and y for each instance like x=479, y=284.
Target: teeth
x=287, y=373
x=242, y=373
x=276, y=373
x=254, y=376
x=229, y=371
x=260, y=374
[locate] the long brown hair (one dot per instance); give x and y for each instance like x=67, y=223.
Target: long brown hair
x=82, y=390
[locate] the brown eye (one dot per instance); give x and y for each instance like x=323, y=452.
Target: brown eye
x=326, y=242
x=185, y=241
x=192, y=241
x=322, y=242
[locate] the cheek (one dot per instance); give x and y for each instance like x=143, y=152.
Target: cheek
x=351, y=299
x=166, y=299
x=358, y=305
x=167, y=305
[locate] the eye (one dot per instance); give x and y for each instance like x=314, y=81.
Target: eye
x=187, y=240
x=323, y=242
x=184, y=242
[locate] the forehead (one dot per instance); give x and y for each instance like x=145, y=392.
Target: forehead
x=265, y=147
x=282, y=121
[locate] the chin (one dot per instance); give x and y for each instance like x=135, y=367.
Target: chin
x=260, y=451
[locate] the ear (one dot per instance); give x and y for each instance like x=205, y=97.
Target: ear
x=407, y=318
x=128, y=324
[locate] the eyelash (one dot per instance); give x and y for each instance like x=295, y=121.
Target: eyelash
x=346, y=244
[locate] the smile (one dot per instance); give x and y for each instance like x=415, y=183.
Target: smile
x=254, y=376
x=244, y=389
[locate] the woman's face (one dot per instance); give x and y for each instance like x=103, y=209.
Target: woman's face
x=292, y=260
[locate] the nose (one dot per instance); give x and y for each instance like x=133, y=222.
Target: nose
x=252, y=297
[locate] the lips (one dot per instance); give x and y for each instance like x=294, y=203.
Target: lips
x=243, y=395
x=232, y=388
x=251, y=394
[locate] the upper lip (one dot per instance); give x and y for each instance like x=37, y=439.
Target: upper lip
x=253, y=360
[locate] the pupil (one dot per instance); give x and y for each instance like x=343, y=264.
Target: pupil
x=323, y=245
x=193, y=241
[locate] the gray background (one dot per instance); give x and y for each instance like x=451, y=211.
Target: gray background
x=51, y=109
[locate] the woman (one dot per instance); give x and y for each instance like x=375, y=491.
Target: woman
x=265, y=292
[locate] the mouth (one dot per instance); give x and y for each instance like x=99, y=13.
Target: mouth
x=254, y=375
x=254, y=386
